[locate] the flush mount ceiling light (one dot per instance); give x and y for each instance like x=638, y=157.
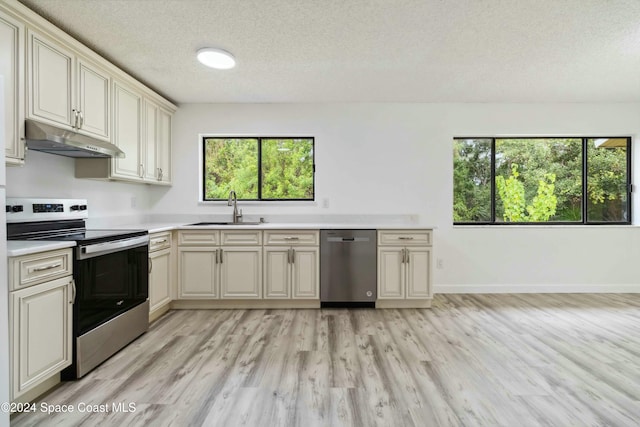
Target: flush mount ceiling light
x=216, y=58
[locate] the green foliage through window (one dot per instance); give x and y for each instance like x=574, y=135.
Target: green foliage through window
x=541, y=180
x=258, y=168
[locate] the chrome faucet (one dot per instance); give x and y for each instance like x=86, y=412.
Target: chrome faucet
x=233, y=201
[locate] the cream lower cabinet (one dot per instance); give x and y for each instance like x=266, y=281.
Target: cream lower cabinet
x=199, y=275
x=291, y=273
x=404, y=272
x=40, y=318
x=291, y=264
x=240, y=272
x=223, y=264
x=160, y=273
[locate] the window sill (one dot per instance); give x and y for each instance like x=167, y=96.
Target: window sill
x=563, y=226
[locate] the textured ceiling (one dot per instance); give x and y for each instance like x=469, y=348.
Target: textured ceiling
x=368, y=50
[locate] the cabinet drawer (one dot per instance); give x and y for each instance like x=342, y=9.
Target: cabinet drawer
x=159, y=241
x=32, y=269
x=244, y=237
x=291, y=238
x=199, y=237
x=405, y=237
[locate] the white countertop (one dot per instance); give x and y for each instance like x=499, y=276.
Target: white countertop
x=158, y=227
x=27, y=247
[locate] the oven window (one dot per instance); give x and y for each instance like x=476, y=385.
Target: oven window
x=108, y=285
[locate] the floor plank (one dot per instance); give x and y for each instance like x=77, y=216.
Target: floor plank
x=470, y=360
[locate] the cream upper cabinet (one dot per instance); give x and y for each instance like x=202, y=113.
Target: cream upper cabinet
x=127, y=132
x=163, y=150
x=94, y=100
x=404, y=264
x=149, y=151
x=156, y=147
x=142, y=129
x=12, y=34
x=66, y=90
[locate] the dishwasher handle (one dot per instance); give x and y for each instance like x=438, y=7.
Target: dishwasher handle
x=348, y=239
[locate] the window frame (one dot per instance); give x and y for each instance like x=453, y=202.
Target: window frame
x=202, y=168
x=584, y=177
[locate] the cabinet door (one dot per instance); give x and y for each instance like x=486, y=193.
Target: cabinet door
x=391, y=273
x=418, y=273
x=164, y=147
x=305, y=273
x=41, y=332
x=198, y=272
x=51, y=81
x=241, y=272
x=94, y=100
x=12, y=68
x=150, y=138
x=127, y=119
x=159, y=278
x=277, y=273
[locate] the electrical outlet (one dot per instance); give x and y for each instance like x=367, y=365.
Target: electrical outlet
x=325, y=203
x=440, y=263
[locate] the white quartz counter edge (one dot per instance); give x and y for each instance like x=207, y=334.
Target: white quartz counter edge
x=157, y=228
x=28, y=247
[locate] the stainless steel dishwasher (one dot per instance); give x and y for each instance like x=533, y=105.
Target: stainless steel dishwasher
x=348, y=268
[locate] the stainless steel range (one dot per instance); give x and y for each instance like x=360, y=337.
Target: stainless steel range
x=110, y=271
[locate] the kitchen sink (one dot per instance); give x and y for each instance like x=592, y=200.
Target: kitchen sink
x=226, y=223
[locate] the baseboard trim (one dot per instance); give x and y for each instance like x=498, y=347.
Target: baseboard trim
x=243, y=304
x=538, y=289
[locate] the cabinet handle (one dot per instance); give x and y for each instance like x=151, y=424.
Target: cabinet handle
x=73, y=291
x=141, y=170
x=160, y=174
x=150, y=265
x=81, y=119
x=75, y=118
x=404, y=256
x=405, y=238
x=293, y=256
x=408, y=258
x=157, y=242
x=221, y=256
x=48, y=267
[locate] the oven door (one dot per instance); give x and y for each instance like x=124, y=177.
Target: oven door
x=111, y=278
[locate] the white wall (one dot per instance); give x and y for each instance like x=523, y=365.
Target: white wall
x=48, y=175
x=397, y=159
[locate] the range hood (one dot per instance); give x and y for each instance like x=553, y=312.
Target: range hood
x=50, y=139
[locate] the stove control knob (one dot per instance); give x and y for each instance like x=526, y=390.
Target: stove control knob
x=17, y=208
x=8, y=208
x=75, y=207
x=83, y=207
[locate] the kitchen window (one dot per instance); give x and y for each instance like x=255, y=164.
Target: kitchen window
x=542, y=180
x=258, y=168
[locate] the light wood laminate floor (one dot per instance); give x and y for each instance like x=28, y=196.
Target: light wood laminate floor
x=471, y=360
